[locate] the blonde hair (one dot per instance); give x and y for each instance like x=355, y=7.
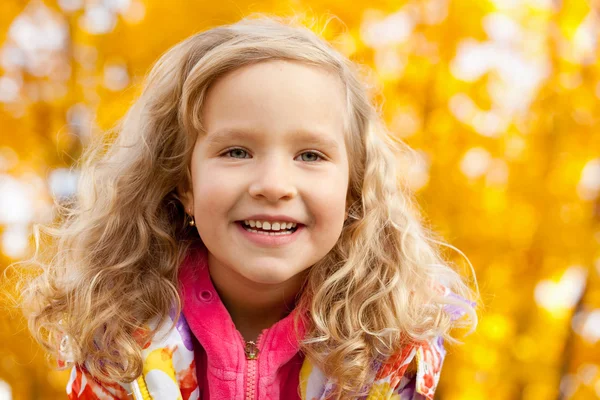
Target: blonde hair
x=118, y=246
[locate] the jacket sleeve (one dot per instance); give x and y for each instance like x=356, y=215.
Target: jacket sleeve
x=82, y=385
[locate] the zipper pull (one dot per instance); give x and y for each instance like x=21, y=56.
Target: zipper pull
x=251, y=350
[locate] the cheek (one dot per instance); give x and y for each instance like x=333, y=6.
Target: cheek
x=330, y=201
x=212, y=196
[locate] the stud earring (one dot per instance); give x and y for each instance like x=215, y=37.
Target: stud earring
x=192, y=221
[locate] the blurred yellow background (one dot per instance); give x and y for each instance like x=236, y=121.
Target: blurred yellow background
x=500, y=98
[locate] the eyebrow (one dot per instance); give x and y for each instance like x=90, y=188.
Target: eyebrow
x=299, y=135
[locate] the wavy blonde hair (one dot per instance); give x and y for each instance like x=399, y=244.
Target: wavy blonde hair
x=115, y=252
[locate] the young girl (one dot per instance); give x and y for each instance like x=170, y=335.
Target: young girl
x=245, y=236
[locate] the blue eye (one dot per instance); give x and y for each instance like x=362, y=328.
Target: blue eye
x=314, y=153
x=238, y=150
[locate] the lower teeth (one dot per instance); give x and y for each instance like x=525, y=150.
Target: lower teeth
x=276, y=233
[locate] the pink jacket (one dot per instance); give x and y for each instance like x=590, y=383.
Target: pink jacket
x=235, y=371
x=206, y=358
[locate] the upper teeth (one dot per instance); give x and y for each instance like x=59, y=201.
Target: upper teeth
x=273, y=226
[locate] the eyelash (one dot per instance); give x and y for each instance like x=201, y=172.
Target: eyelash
x=321, y=156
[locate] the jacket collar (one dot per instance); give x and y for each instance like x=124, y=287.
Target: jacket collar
x=212, y=325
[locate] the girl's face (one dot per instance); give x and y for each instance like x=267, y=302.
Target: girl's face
x=274, y=150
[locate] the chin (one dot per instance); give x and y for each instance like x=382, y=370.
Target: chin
x=268, y=276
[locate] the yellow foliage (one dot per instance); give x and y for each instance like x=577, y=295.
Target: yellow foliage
x=501, y=98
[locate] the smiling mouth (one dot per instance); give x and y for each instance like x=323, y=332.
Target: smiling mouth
x=268, y=231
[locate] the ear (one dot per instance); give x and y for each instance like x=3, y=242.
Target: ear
x=186, y=196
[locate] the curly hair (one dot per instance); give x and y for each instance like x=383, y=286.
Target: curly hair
x=113, y=256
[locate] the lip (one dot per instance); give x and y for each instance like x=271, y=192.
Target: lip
x=272, y=218
x=268, y=240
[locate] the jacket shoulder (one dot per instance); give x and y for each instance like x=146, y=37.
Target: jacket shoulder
x=82, y=385
x=413, y=373
x=168, y=357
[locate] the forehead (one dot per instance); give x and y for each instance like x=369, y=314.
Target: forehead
x=277, y=96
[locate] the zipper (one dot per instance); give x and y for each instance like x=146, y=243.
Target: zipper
x=251, y=350
x=139, y=391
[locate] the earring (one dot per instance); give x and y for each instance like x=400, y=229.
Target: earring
x=192, y=221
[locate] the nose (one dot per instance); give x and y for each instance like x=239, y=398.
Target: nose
x=273, y=180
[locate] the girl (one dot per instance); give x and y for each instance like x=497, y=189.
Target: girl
x=245, y=236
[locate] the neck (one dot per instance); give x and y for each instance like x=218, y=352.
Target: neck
x=253, y=306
